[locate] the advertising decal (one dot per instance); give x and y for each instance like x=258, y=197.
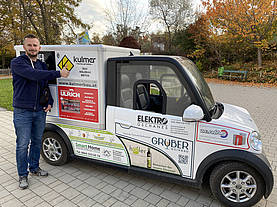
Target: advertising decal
x=82, y=65
x=162, y=124
x=78, y=95
x=96, y=144
x=78, y=103
x=222, y=135
x=179, y=150
x=146, y=157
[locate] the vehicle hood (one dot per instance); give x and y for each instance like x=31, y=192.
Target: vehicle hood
x=237, y=116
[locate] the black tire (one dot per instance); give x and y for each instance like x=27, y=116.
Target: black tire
x=53, y=149
x=236, y=184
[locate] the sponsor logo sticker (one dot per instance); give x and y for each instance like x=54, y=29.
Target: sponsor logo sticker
x=70, y=93
x=224, y=134
x=136, y=150
x=170, y=143
x=217, y=132
x=65, y=62
x=152, y=121
x=107, y=153
x=239, y=139
x=82, y=59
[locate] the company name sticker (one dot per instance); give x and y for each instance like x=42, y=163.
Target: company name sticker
x=222, y=135
x=81, y=65
x=78, y=103
x=152, y=122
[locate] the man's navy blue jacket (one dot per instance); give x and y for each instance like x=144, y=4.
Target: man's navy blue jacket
x=28, y=82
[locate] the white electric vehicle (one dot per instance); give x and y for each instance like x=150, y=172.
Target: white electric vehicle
x=154, y=115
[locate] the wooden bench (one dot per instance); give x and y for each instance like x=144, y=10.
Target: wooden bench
x=241, y=74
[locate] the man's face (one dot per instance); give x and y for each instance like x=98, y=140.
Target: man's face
x=31, y=46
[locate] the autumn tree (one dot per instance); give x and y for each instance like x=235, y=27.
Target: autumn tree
x=10, y=28
x=206, y=51
x=129, y=42
x=52, y=20
x=96, y=39
x=108, y=39
x=251, y=21
x=173, y=14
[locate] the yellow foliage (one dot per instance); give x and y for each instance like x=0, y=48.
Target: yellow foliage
x=250, y=20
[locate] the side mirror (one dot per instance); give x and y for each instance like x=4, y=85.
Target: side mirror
x=193, y=113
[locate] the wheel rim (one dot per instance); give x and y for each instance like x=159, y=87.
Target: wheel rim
x=52, y=149
x=238, y=186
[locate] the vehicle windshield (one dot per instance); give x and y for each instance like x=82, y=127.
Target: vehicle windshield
x=198, y=81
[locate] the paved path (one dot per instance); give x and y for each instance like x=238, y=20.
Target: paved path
x=81, y=183
x=5, y=77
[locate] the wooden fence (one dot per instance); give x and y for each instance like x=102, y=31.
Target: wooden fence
x=4, y=72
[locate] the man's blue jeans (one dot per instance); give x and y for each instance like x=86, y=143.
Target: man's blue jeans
x=29, y=127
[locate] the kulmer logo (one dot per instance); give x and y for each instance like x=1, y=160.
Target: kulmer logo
x=65, y=63
x=82, y=59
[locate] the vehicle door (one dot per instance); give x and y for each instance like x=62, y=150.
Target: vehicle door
x=147, y=116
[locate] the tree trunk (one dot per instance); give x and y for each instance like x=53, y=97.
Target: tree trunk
x=45, y=21
x=259, y=57
x=2, y=58
x=26, y=12
x=3, y=53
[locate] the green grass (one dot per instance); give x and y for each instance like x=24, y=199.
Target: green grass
x=6, y=94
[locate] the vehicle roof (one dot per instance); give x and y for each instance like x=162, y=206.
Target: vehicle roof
x=148, y=57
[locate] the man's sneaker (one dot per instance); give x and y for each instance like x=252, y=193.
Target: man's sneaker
x=23, y=182
x=40, y=172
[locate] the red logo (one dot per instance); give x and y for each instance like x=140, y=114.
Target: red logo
x=239, y=139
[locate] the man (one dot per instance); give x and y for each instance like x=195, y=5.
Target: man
x=30, y=77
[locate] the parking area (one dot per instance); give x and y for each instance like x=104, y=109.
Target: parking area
x=82, y=183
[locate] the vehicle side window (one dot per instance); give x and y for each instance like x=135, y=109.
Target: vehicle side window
x=128, y=74
x=177, y=97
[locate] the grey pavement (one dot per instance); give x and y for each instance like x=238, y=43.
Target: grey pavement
x=82, y=183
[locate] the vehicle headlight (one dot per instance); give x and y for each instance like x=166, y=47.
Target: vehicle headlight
x=255, y=141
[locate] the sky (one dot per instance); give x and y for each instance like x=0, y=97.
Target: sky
x=93, y=11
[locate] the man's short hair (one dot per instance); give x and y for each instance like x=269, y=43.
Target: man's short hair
x=31, y=36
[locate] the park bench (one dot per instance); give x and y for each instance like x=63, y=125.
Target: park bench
x=240, y=74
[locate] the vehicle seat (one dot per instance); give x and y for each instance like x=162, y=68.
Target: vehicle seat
x=143, y=98
x=138, y=76
x=126, y=94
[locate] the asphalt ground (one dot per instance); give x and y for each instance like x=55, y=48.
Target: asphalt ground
x=82, y=183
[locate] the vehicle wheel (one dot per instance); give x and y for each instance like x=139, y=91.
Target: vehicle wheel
x=236, y=184
x=53, y=149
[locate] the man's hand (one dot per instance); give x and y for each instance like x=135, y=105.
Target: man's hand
x=64, y=73
x=47, y=109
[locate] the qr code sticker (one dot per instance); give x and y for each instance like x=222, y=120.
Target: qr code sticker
x=183, y=159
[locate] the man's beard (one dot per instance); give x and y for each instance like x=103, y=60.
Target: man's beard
x=31, y=55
